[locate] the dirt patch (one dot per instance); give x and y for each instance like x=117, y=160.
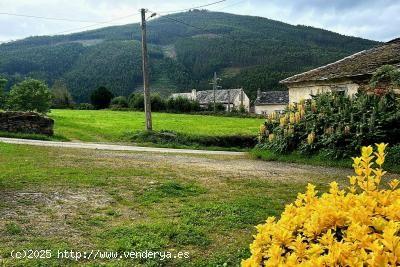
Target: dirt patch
x=49, y=213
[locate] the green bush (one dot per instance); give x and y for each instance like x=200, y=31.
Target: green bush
x=333, y=124
x=101, y=98
x=119, y=102
x=393, y=158
x=182, y=104
x=136, y=102
x=218, y=107
x=84, y=106
x=29, y=95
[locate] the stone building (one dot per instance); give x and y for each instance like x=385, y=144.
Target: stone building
x=230, y=98
x=271, y=101
x=347, y=75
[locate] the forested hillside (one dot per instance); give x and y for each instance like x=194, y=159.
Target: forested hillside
x=251, y=52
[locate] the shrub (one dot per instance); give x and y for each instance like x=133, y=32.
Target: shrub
x=352, y=227
x=136, y=102
x=29, y=95
x=182, y=104
x=84, y=106
x=394, y=156
x=157, y=103
x=101, y=98
x=119, y=102
x=218, y=107
x=61, y=97
x=335, y=124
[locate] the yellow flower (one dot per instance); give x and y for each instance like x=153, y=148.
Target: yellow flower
x=366, y=151
x=356, y=228
x=381, y=148
x=394, y=183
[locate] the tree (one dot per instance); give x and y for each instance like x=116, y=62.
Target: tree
x=119, y=102
x=61, y=96
x=3, y=83
x=29, y=95
x=101, y=98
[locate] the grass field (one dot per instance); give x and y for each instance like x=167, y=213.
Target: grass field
x=111, y=126
x=82, y=200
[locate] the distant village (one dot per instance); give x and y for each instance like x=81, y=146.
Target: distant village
x=346, y=76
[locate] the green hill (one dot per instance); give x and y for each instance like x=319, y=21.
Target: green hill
x=251, y=52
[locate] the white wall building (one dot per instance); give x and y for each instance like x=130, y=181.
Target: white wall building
x=348, y=75
x=271, y=102
x=230, y=98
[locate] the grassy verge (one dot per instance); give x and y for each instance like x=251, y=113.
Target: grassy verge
x=82, y=200
x=180, y=140
x=315, y=160
x=33, y=136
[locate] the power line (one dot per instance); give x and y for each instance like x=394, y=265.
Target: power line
x=97, y=24
x=47, y=18
x=234, y=4
x=196, y=7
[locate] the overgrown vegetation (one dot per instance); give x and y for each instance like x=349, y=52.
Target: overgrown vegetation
x=337, y=125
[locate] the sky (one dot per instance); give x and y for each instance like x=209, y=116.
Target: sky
x=372, y=19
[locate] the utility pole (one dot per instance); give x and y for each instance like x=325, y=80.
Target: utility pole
x=215, y=87
x=146, y=89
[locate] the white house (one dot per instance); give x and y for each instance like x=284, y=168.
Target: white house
x=230, y=98
x=348, y=75
x=271, y=101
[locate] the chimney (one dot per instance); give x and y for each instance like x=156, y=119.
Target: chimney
x=194, y=94
x=258, y=93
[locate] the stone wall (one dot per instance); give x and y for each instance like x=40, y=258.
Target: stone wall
x=26, y=122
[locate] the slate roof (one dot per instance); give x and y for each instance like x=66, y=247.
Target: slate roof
x=184, y=95
x=221, y=96
x=363, y=63
x=273, y=97
x=207, y=96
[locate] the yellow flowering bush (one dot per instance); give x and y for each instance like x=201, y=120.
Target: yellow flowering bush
x=357, y=226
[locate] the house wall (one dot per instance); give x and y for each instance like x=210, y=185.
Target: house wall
x=237, y=102
x=301, y=91
x=268, y=109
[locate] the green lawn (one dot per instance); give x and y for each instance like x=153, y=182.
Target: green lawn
x=105, y=125
x=86, y=200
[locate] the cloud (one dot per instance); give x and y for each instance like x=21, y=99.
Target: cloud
x=372, y=19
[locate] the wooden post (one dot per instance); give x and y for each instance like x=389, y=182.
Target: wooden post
x=146, y=89
x=215, y=88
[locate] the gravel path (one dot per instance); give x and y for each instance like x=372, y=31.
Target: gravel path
x=116, y=147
